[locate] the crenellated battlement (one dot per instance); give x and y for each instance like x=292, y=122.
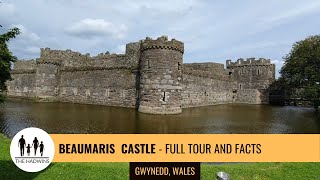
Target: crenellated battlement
x=56, y=62
x=107, y=55
x=47, y=53
x=248, y=62
x=162, y=43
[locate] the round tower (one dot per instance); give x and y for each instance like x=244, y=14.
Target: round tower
x=161, y=76
x=47, y=77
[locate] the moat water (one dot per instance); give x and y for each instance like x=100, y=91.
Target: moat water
x=230, y=118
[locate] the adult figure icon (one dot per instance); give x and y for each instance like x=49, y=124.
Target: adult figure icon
x=22, y=144
x=35, y=144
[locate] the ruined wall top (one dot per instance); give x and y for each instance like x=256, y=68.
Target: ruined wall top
x=75, y=60
x=47, y=53
x=248, y=62
x=25, y=64
x=162, y=43
x=107, y=55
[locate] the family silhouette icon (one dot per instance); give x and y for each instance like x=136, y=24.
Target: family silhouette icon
x=35, y=145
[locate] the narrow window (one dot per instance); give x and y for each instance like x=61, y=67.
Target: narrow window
x=258, y=71
x=75, y=91
x=240, y=86
x=179, y=65
x=163, y=96
x=148, y=63
x=107, y=94
x=241, y=71
x=123, y=94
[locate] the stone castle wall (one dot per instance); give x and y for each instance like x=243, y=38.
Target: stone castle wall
x=252, y=73
x=23, y=83
x=150, y=76
x=253, y=77
x=206, y=84
x=113, y=87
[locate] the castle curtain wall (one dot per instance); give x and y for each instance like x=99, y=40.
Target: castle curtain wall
x=22, y=85
x=113, y=87
x=23, y=79
x=206, y=84
x=150, y=76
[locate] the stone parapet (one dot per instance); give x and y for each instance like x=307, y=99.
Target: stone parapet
x=248, y=62
x=162, y=43
x=47, y=53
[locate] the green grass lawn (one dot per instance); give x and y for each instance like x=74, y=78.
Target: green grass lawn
x=261, y=171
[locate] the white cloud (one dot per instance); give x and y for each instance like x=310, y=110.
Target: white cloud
x=7, y=9
x=7, y=13
x=253, y=46
x=26, y=35
x=27, y=44
x=279, y=64
x=32, y=50
x=154, y=7
x=90, y=28
x=301, y=9
x=121, y=49
x=211, y=30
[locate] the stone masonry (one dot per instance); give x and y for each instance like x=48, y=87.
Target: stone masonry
x=150, y=76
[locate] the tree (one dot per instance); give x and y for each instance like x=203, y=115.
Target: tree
x=301, y=69
x=6, y=58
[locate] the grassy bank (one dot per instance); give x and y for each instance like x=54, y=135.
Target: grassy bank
x=114, y=171
x=265, y=171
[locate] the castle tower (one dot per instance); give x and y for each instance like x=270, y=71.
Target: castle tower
x=252, y=73
x=161, y=76
x=47, y=76
x=253, y=78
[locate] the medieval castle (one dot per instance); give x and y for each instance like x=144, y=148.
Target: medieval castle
x=150, y=76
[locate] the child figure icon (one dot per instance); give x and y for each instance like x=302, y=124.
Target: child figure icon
x=28, y=149
x=41, y=148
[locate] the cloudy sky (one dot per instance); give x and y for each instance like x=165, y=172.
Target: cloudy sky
x=213, y=31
